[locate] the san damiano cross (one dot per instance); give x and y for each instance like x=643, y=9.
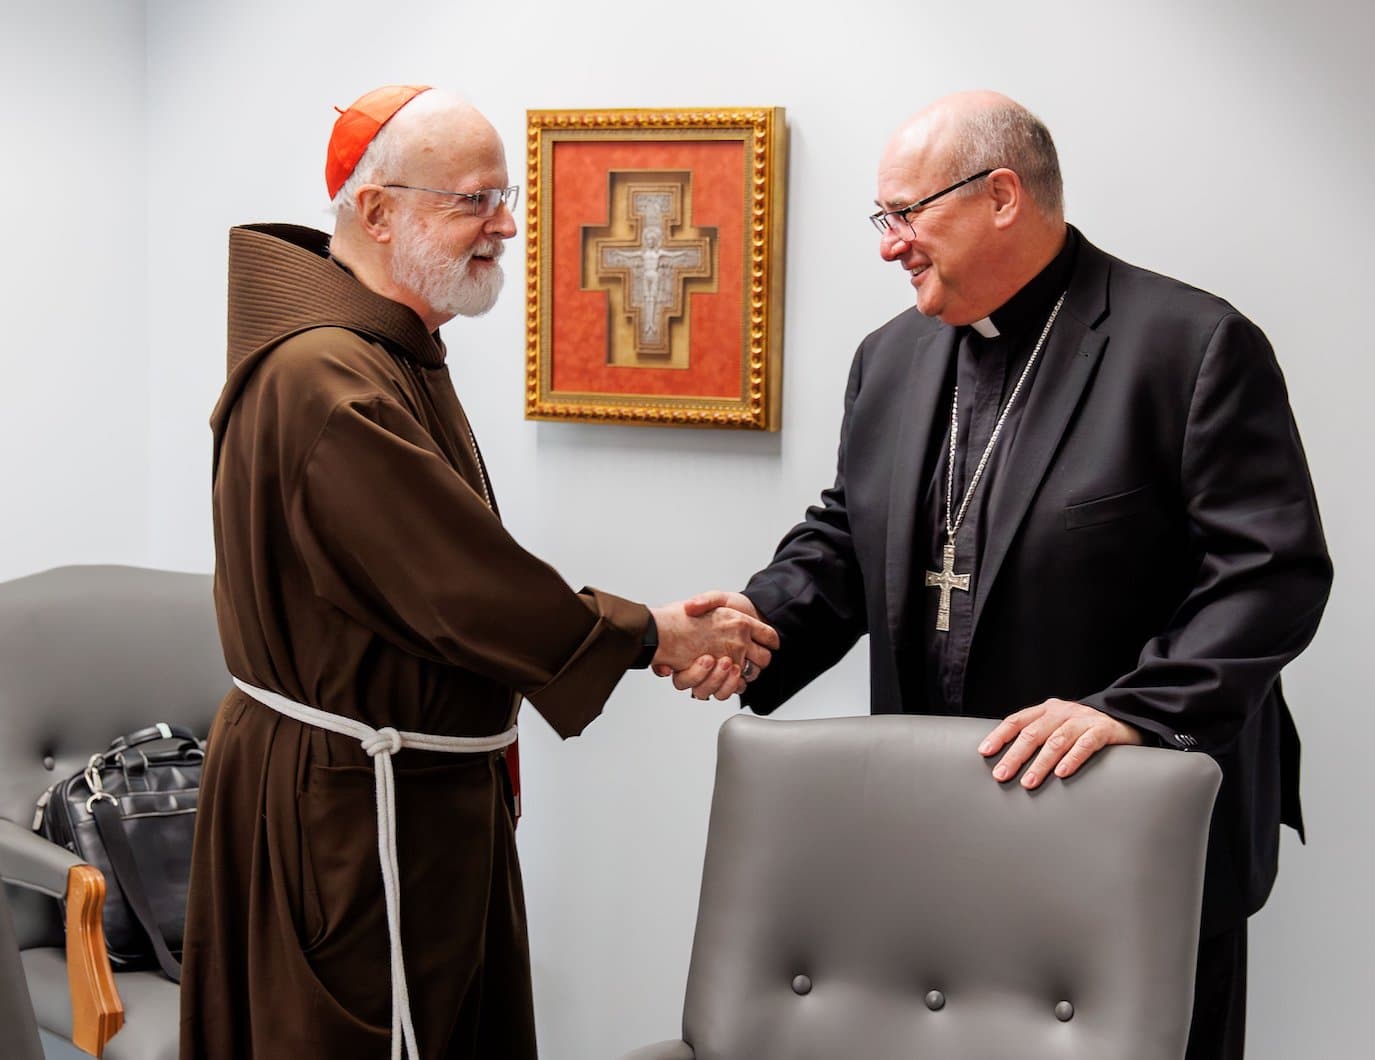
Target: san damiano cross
x=649, y=274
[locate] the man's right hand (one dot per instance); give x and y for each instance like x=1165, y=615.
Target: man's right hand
x=713, y=673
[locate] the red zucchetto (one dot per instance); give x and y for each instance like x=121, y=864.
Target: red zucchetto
x=356, y=127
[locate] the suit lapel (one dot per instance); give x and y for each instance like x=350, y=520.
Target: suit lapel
x=921, y=398
x=1068, y=361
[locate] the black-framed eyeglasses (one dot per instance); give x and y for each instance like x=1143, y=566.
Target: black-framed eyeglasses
x=485, y=201
x=886, y=219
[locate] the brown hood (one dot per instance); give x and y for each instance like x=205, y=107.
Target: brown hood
x=282, y=282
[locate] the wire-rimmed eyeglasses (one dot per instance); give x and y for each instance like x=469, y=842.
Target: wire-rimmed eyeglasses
x=485, y=201
x=900, y=219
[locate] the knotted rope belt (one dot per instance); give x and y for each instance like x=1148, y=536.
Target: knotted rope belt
x=381, y=744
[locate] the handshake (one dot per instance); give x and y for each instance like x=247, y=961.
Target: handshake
x=713, y=644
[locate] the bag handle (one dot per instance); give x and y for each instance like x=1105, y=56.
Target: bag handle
x=110, y=825
x=160, y=731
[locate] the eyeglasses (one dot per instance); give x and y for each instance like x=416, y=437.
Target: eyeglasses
x=886, y=219
x=485, y=201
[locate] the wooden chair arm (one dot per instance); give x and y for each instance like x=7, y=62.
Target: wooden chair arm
x=97, y=1012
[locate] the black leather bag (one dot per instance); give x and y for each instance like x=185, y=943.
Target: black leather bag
x=132, y=814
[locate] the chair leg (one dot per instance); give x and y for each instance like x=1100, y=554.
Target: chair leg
x=97, y=1012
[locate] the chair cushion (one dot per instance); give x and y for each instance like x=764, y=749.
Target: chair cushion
x=152, y=1007
x=870, y=892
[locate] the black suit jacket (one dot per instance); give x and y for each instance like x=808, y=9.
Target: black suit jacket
x=1153, y=547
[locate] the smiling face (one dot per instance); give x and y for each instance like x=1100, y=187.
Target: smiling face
x=445, y=257
x=451, y=277
x=947, y=250
x=969, y=250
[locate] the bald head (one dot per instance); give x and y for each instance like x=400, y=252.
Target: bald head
x=434, y=131
x=970, y=192
x=969, y=132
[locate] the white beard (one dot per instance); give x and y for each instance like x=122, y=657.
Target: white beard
x=421, y=265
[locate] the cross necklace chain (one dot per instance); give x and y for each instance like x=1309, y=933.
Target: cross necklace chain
x=946, y=579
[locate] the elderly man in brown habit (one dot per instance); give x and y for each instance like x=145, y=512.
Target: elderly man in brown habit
x=355, y=889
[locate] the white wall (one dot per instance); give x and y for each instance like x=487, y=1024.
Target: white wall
x=1227, y=143
x=74, y=391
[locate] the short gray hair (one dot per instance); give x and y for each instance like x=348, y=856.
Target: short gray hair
x=1009, y=136
x=381, y=163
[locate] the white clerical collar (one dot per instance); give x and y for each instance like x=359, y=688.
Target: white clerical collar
x=986, y=328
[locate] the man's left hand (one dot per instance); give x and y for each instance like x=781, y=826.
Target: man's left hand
x=1068, y=735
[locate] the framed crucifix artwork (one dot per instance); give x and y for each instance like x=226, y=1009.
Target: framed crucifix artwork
x=654, y=267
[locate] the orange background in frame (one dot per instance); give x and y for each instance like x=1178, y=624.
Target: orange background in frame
x=578, y=329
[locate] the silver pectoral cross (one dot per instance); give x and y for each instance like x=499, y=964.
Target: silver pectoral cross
x=945, y=580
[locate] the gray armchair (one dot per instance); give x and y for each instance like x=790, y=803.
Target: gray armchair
x=88, y=654
x=870, y=893
x=18, y=1029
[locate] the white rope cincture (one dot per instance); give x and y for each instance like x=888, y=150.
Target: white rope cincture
x=380, y=745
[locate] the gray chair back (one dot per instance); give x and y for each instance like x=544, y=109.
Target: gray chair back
x=869, y=892
x=87, y=654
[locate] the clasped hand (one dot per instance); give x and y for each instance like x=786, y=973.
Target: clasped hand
x=712, y=644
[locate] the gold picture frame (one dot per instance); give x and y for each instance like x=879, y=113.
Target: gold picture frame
x=654, y=266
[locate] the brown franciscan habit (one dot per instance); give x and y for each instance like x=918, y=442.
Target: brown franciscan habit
x=362, y=568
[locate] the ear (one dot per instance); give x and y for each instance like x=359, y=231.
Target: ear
x=373, y=209
x=1009, y=197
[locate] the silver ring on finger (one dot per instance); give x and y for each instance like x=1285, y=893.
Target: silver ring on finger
x=747, y=671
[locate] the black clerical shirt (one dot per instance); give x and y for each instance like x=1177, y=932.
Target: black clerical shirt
x=986, y=371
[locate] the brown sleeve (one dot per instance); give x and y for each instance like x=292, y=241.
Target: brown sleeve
x=392, y=535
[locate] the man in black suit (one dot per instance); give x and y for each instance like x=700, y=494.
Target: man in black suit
x=1070, y=495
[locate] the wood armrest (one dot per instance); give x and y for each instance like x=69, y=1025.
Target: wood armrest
x=97, y=1012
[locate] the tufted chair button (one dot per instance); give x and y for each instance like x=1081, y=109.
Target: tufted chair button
x=935, y=1000
x=801, y=985
x=49, y=763
x=1064, y=1012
